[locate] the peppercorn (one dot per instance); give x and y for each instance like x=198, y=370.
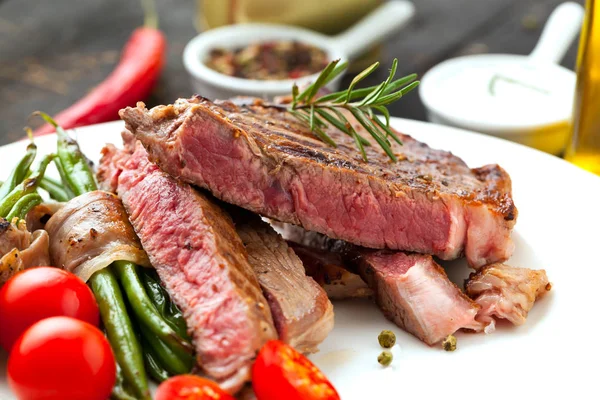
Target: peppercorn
x=449, y=344
x=387, y=339
x=385, y=358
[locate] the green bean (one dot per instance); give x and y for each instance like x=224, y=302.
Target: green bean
x=22, y=207
x=19, y=172
x=77, y=171
x=175, y=364
x=26, y=187
x=145, y=311
x=119, y=330
x=120, y=390
x=55, y=189
x=161, y=300
x=155, y=370
x=63, y=177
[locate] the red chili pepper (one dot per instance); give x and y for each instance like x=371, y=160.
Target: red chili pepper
x=131, y=81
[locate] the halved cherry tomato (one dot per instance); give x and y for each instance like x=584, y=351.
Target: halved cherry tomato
x=62, y=358
x=39, y=293
x=280, y=372
x=190, y=387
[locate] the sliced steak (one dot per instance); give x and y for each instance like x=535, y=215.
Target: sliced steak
x=411, y=290
x=506, y=292
x=199, y=257
x=414, y=292
x=302, y=313
x=261, y=158
x=327, y=269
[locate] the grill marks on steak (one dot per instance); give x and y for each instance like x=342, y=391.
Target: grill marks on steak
x=195, y=249
x=260, y=158
x=411, y=290
x=302, y=313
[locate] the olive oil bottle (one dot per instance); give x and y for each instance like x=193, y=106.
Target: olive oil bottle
x=584, y=146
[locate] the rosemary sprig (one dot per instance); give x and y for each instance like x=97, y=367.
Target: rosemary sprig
x=317, y=112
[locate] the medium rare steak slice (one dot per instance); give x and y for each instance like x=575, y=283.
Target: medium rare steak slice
x=302, y=313
x=261, y=158
x=411, y=290
x=414, y=292
x=506, y=292
x=199, y=257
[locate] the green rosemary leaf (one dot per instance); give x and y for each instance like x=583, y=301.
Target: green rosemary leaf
x=376, y=93
x=302, y=117
x=374, y=131
x=360, y=77
x=399, y=82
x=388, y=130
x=334, y=121
x=343, y=118
x=324, y=137
x=312, y=89
x=359, y=145
x=341, y=67
x=294, y=95
x=312, y=118
x=342, y=124
x=372, y=96
x=385, y=113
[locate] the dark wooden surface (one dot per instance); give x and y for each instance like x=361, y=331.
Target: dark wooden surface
x=53, y=52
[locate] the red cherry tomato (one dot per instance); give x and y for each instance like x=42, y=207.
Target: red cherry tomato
x=280, y=372
x=39, y=293
x=62, y=358
x=190, y=387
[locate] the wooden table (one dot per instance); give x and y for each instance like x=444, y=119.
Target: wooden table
x=53, y=52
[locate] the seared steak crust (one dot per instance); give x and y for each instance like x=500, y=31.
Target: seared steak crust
x=259, y=157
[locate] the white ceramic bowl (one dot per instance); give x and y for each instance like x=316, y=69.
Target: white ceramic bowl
x=382, y=22
x=532, y=99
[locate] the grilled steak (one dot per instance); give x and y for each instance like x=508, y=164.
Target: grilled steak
x=302, y=313
x=411, y=290
x=414, y=292
x=327, y=269
x=506, y=292
x=199, y=257
x=261, y=158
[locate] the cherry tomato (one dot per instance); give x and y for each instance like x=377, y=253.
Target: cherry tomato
x=190, y=387
x=62, y=358
x=280, y=372
x=39, y=293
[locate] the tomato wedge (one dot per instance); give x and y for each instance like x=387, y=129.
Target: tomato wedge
x=190, y=387
x=280, y=372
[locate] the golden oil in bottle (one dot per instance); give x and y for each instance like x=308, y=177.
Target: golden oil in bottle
x=584, y=146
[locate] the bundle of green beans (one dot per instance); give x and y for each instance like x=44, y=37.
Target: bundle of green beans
x=18, y=194
x=155, y=339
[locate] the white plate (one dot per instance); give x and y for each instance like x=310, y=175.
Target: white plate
x=554, y=354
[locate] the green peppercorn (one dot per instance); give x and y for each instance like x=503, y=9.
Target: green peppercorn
x=385, y=358
x=387, y=339
x=449, y=344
